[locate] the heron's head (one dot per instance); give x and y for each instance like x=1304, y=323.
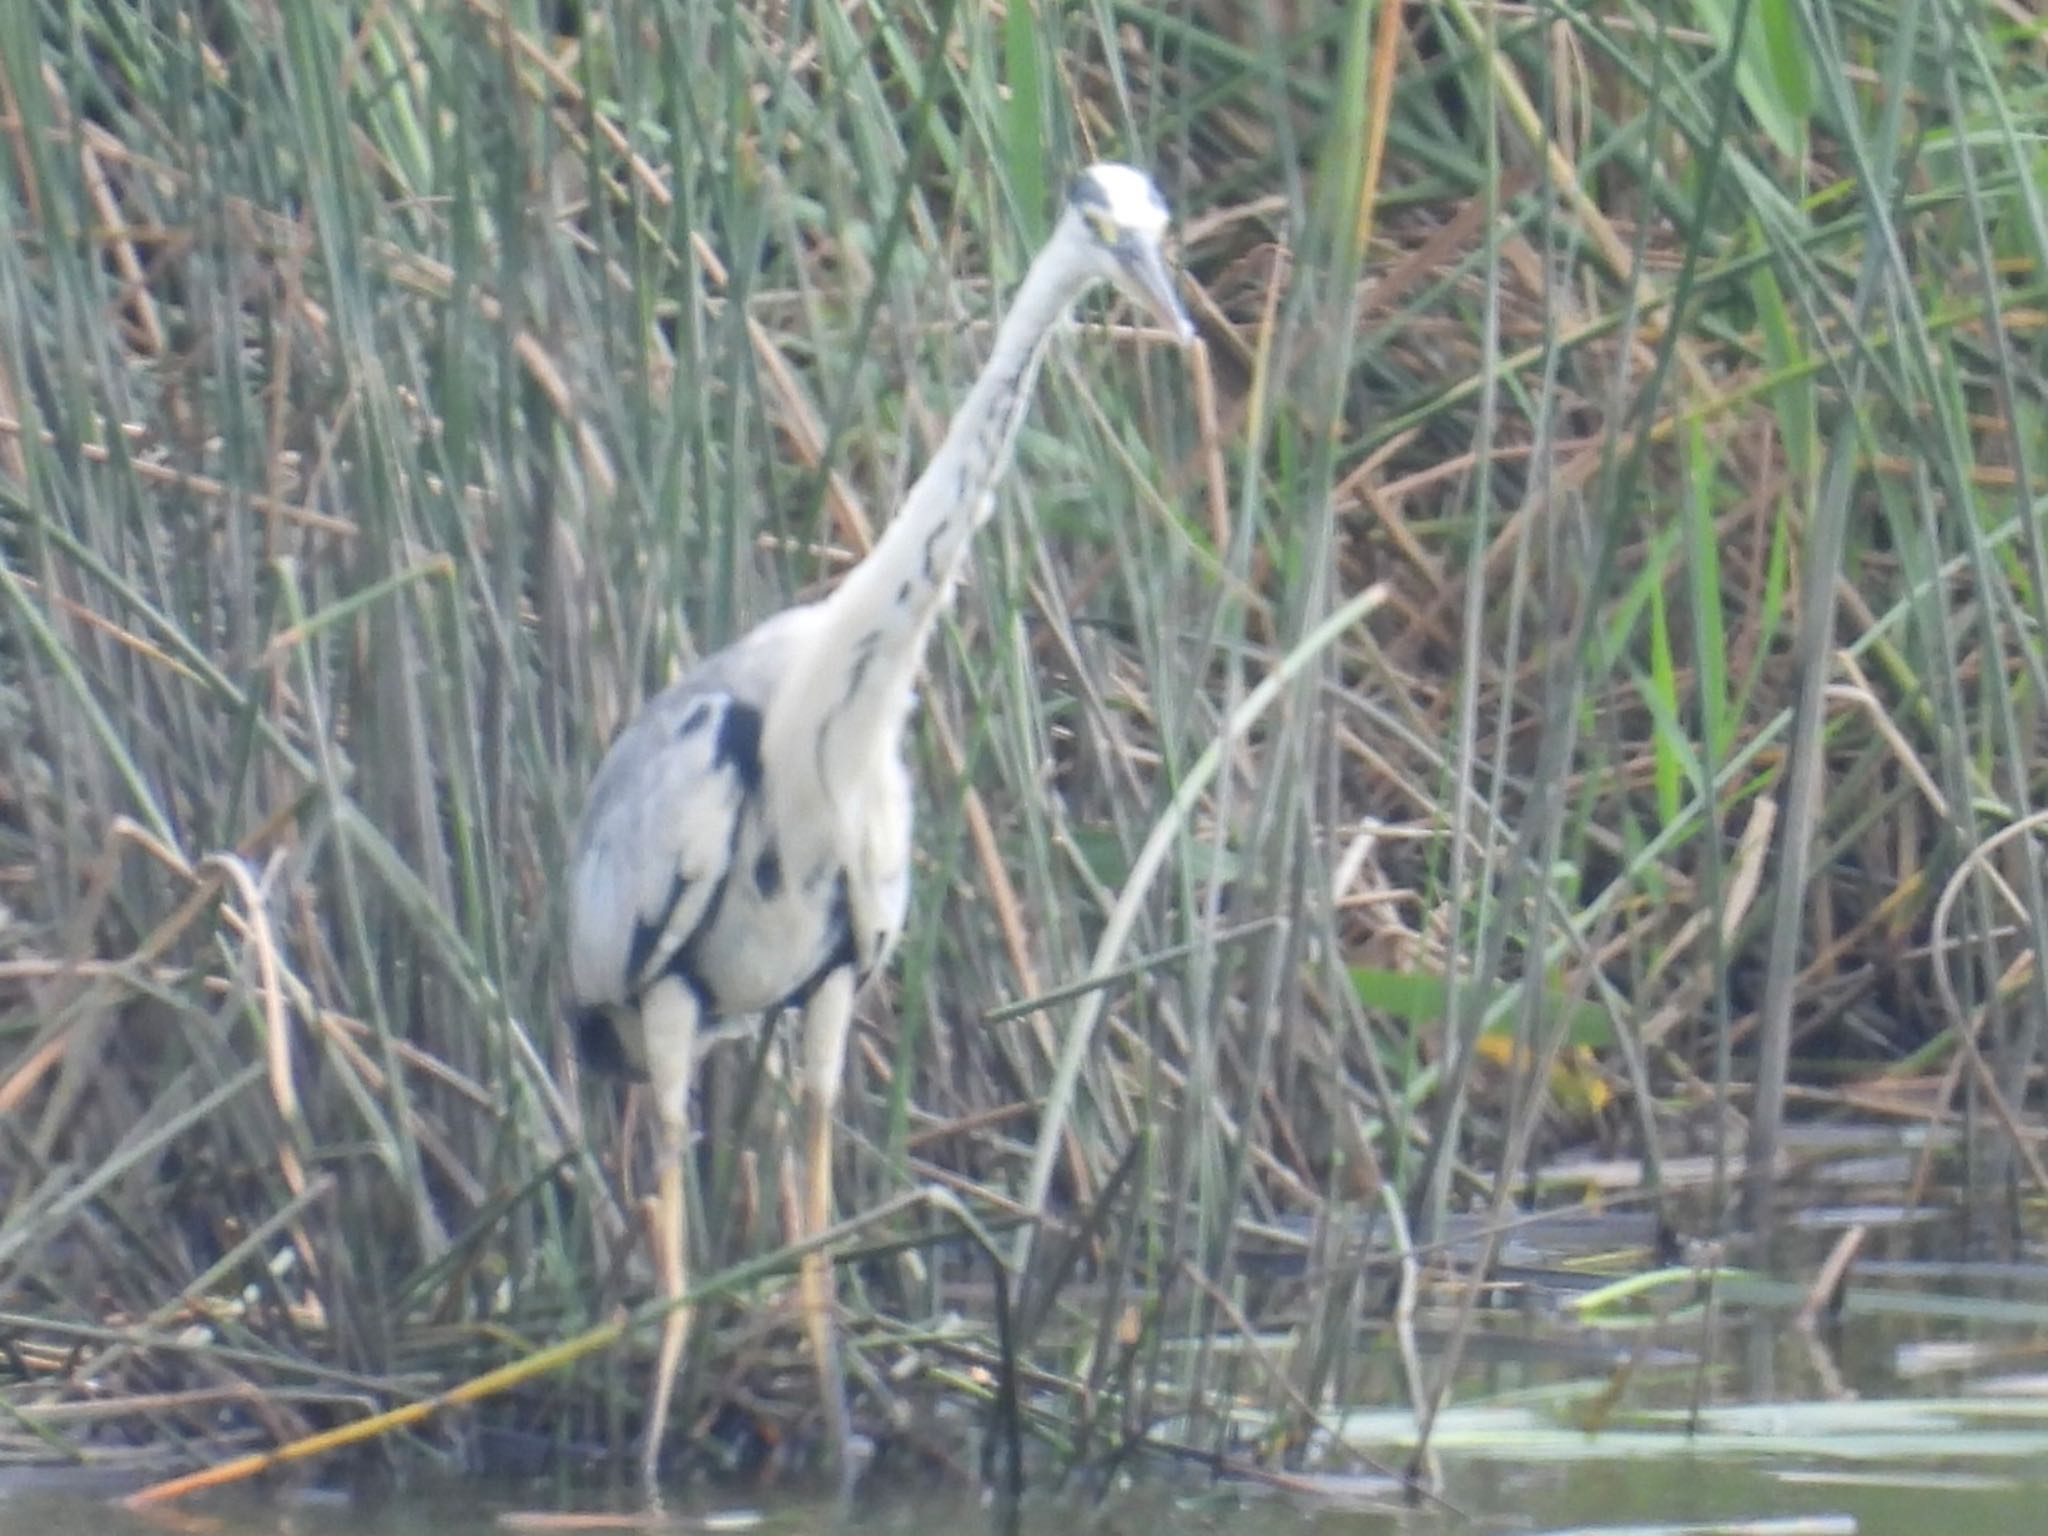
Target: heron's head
x=1117, y=219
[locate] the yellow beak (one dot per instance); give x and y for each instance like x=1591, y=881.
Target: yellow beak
x=1150, y=281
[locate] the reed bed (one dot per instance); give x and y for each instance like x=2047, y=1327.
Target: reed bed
x=1558, y=673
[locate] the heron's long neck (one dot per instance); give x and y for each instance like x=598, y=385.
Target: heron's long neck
x=879, y=616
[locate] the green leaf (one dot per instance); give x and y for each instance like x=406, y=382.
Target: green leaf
x=1024, y=116
x=1418, y=998
x=1771, y=70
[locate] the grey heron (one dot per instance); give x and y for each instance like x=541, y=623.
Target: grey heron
x=745, y=847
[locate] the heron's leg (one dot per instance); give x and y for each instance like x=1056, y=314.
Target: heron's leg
x=670, y=1016
x=827, y=1018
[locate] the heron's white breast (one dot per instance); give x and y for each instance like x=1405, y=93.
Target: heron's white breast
x=802, y=886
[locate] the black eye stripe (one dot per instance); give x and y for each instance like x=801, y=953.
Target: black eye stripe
x=1086, y=192
x=1088, y=196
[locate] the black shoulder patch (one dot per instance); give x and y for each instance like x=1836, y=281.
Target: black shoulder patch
x=768, y=873
x=739, y=745
x=647, y=932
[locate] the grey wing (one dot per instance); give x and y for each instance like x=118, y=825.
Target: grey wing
x=657, y=838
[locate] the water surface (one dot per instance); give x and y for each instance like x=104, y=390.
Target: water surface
x=1950, y=1490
